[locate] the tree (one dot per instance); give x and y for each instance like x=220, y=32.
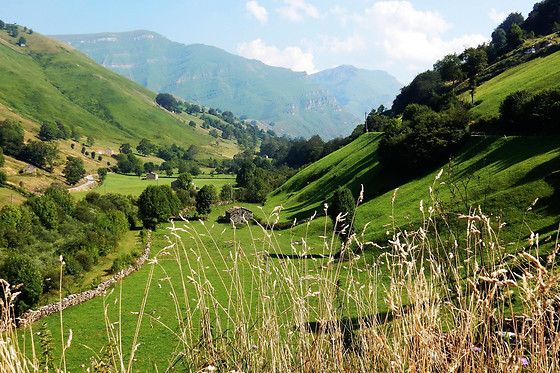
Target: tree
x=184, y=181
x=40, y=153
x=474, y=61
x=74, y=170
x=11, y=137
x=46, y=210
x=513, y=18
x=149, y=167
x=205, y=197
x=125, y=148
x=449, y=68
x=61, y=196
x=422, y=90
x=157, y=204
x=167, y=101
x=499, y=39
x=226, y=193
x=102, y=173
x=21, y=42
x=2, y=158
x=20, y=269
x=342, y=204
x=3, y=178
x=145, y=147
x=514, y=36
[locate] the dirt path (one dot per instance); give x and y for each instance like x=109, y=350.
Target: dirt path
x=89, y=184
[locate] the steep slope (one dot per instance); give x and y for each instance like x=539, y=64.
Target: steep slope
x=283, y=100
x=539, y=73
x=501, y=175
x=359, y=90
x=47, y=80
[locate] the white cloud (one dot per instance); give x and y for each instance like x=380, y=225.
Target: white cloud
x=297, y=10
x=290, y=57
x=497, y=17
x=257, y=11
x=353, y=43
x=405, y=33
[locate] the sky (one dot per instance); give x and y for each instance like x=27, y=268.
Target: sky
x=403, y=38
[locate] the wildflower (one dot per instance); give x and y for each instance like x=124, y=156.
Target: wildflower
x=524, y=361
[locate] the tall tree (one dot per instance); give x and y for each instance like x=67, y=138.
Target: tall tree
x=74, y=170
x=342, y=204
x=449, y=68
x=157, y=204
x=474, y=61
x=11, y=137
x=20, y=269
x=205, y=197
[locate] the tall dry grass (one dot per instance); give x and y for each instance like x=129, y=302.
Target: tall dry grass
x=444, y=297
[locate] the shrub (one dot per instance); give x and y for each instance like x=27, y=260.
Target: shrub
x=20, y=269
x=85, y=259
x=121, y=263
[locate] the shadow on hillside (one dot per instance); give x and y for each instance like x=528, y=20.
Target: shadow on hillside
x=350, y=323
x=307, y=256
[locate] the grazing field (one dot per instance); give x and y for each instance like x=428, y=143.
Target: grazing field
x=532, y=76
x=134, y=185
x=218, y=299
x=501, y=175
x=8, y=196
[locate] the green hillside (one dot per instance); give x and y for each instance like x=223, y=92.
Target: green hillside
x=501, y=175
x=535, y=74
x=280, y=99
x=47, y=80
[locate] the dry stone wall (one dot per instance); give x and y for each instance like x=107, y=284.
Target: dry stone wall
x=31, y=316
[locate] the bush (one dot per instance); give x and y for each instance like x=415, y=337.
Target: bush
x=3, y=178
x=20, y=269
x=85, y=259
x=121, y=263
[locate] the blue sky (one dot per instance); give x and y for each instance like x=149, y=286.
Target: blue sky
x=401, y=37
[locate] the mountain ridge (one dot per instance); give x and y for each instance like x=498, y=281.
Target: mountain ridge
x=277, y=98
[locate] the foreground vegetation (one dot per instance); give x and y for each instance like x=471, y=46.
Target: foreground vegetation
x=427, y=303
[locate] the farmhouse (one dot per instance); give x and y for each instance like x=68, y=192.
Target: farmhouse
x=238, y=214
x=151, y=176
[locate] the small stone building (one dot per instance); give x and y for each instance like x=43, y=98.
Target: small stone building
x=151, y=176
x=29, y=169
x=238, y=214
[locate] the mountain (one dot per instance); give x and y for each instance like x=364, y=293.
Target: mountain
x=287, y=102
x=45, y=80
x=359, y=90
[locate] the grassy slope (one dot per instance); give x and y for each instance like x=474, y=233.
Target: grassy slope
x=47, y=80
x=537, y=74
x=502, y=175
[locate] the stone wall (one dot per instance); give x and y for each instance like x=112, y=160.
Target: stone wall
x=31, y=316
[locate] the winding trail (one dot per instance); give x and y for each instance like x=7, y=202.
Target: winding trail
x=86, y=186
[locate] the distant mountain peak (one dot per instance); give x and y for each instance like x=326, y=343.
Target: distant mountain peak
x=288, y=102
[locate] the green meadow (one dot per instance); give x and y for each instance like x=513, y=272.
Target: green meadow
x=537, y=74
x=134, y=185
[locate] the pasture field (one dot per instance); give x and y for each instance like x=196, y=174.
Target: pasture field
x=207, y=254
x=501, y=175
x=9, y=195
x=135, y=185
x=535, y=75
